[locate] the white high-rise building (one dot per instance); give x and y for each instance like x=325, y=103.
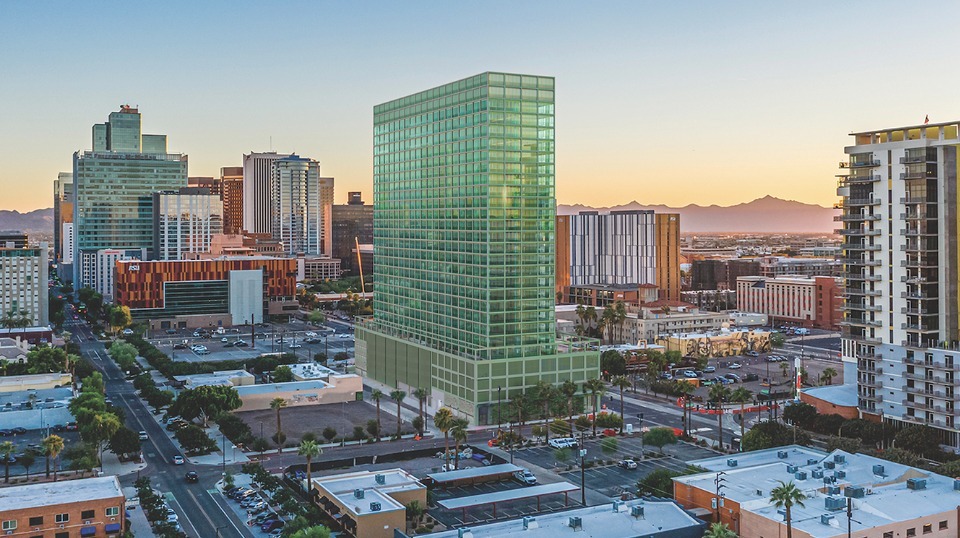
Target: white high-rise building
x=66, y=243
x=105, y=264
x=901, y=324
x=302, y=202
x=615, y=248
x=23, y=288
x=185, y=221
x=257, y=202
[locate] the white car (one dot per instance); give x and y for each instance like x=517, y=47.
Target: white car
x=344, y=335
x=178, y=460
x=310, y=334
x=143, y=435
x=295, y=346
x=735, y=366
x=525, y=477
x=627, y=464
x=563, y=442
x=128, y=332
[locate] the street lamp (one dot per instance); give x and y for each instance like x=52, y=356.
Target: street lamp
x=583, y=472
x=499, y=391
x=223, y=452
x=640, y=427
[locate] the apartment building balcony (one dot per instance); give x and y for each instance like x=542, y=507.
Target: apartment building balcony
x=855, y=217
x=875, y=383
x=917, y=174
x=917, y=405
x=872, y=340
x=918, y=200
x=920, y=262
x=860, y=305
x=869, y=163
x=910, y=418
x=919, y=328
x=918, y=295
x=858, y=179
x=917, y=158
x=860, y=245
x=869, y=355
x=856, y=202
x=914, y=215
x=917, y=232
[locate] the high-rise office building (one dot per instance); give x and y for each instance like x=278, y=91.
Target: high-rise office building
x=464, y=214
x=62, y=211
x=352, y=224
x=185, y=221
x=23, y=289
x=901, y=323
x=301, y=201
x=257, y=198
x=113, y=189
x=620, y=248
x=231, y=193
x=212, y=184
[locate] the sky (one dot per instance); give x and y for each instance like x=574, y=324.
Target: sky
x=671, y=102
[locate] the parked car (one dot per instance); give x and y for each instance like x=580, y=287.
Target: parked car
x=295, y=346
x=666, y=375
x=733, y=377
x=524, y=476
x=143, y=435
x=751, y=377
x=627, y=464
x=224, y=339
x=127, y=332
x=71, y=426
x=178, y=460
x=753, y=354
x=179, y=346
x=689, y=373
x=266, y=516
x=271, y=525
x=191, y=476
x=310, y=333
x=710, y=369
x=735, y=366
x=563, y=442
x=171, y=331
x=240, y=343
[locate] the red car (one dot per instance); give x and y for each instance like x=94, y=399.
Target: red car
x=609, y=432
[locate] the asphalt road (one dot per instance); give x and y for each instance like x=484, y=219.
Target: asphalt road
x=201, y=512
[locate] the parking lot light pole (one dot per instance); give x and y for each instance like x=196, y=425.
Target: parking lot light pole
x=583, y=473
x=640, y=427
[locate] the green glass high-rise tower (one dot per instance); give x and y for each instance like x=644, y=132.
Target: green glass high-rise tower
x=464, y=213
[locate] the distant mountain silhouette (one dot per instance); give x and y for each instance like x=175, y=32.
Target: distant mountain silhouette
x=33, y=222
x=767, y=214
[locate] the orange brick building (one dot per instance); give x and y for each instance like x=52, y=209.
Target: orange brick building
x=89, y=508
x=231, y=194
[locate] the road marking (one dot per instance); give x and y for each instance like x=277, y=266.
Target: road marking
x=227, y=515
x=184, y=513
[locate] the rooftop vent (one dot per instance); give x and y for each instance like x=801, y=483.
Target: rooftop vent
x=829, y=479
x=833, y=490
x=375, y=507
x=381, y=479
x=854, y=492
x=792, y=469
x=878, y=470
x=834, y=503
x=800, y=475
x=829, y=465
x=464, y=533
x=816, y=473
x=575, y=523
x=617, y=505
x=812, y=461
x=759, y=493
x=826, y=518
x=916, y=483
x=358, y=493
x=636, y=511
x=839, y=458
x=731, y=462
x=782, y=454
x=530, y=522
x=840, y=474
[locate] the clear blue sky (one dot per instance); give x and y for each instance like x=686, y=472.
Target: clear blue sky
x=666, y=102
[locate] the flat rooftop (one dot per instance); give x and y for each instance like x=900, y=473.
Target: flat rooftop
x=57, y=493
x=796, y=455
x=16, y=399
x=292, y=386
x=311, y=371
x=474, y=472
x=26, y=381
x=457, y=503
x=887, y=499
x=659, y=519
x=343, y=488
x=845, y=395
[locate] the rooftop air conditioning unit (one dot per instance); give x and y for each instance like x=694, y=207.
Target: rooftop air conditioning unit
x=826, y=518
x=833, y=490
x=782, y=454
x=816, y=473
x=731, y=462
x=791, y=469
x=854, y=492
x=834, y=503
x=358, y=493
x=464, y=533
x=529, y=522
x=840, y=474
x=878, y=470
x=829, y=465
x=636, y=511
x=812, y=461
x=956, y=484
x=800, y=475
x=575, y=523
x=381, y=479
x=375, y=507
x=916, y=483
x=617, y=505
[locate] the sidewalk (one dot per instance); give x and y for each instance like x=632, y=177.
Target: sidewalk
x=139, y=525
x=226, y=452
x=113, y=466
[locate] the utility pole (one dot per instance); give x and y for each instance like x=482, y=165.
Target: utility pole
x=718, y=500
x=583, y=490
x=640, y=427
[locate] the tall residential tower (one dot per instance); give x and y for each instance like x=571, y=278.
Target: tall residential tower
x=464, y=214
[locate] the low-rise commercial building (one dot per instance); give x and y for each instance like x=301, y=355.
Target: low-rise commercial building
x=369, y=504
x=16, y=383
x=207, y=293
x=640, y=518
x=226, y=378
x=649, y=321
x=318, y=268
x=807, y=301
x=887, y=499
x=338, y=388
x=88, y=507
x=714, y=344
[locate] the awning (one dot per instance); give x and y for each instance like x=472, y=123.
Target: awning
x=127, y=514
x=88, y=531
x=112, y=527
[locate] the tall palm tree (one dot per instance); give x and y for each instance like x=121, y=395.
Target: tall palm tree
x=52, y=447
x=786, y=496
x=545, y=392
x=741, y=396
x=309, y=450
x=377, y=395
x=6, y=448
x=620, y=316
x=398, y=396
x=277, y=404
x=590, y=316
x=828, y=374
x=569, y=390
x=621, y=382
x=421, y=395
x=609, y=322
x=595, y=387
x=459, y=432
x=582, y=317
x=443, y=420
x=519, y=403
x=685, y=390
x=718, y=394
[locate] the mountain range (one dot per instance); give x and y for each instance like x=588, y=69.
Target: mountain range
x=763, y=215
x=38, y=221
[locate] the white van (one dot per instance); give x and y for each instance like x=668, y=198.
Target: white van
x=563, y=442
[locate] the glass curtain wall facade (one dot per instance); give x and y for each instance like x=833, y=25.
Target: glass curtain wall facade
x=185, y=222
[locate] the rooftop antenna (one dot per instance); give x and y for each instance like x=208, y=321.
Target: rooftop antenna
x=271, y=142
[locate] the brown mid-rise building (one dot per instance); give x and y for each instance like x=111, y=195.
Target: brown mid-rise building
x=211, y=183
x=563, y=253
x=231, y=193
x=667, y=246
x=88, y=508
x=352, y=225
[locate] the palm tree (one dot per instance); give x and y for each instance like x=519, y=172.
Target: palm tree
x=545, y=392
x=595, y=386
x=52, y=447
x=421, y=395
x=459, y=431
x=569, y=390
x=609, y=321
x=620, y=316
x=398, y=396
x=828, y=374
x=582, y=317
x=277, y=404
x=719, y=530
x=377, y=395
x=621, y=382
x=6, y=449
x=719, y=393
x=741, y=396
x=685, y=389
x=590, y=315
x=443, y=420
x=309, y=450
x=786, y=496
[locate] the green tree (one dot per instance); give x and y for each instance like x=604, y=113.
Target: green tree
x=719, y=530
x=125, y=442
x=99, y=430
x=316, y=317
x=195, y=440
x=769, y=434
x=415, y=511
x=901, y=456
x=443, y=419
x=741, y=396
x=562, y=455
x=786, y=496
x=260, y=445
x=52, y=447
x=612, y=363
x=801, y=414
x=545, y=393
x=609, y=445
x=329, y=433
x=119, y=318
x=418, y=424
x=596, y=388
x=27, y=459
x=277, y=404
x=659, y=437
x=583, y=423
x=377, y=395
x=777, y=340
x=421, y=395
x=921, y=440
x=719, y=393
x=374, y=429
x=951, y=468
x=621, y=382
x=459, y=433
x=398, y=396
x=685, y=391
x=317, y=531
x=93, y=383
x=309, y=450
x=659, y=483
x=519, y=404
x=569, y=389
x=205, y=402
x=282, y=374
x=828, y=374
x=6, y=449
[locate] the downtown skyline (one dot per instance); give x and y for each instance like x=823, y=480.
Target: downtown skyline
x=672, y=104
